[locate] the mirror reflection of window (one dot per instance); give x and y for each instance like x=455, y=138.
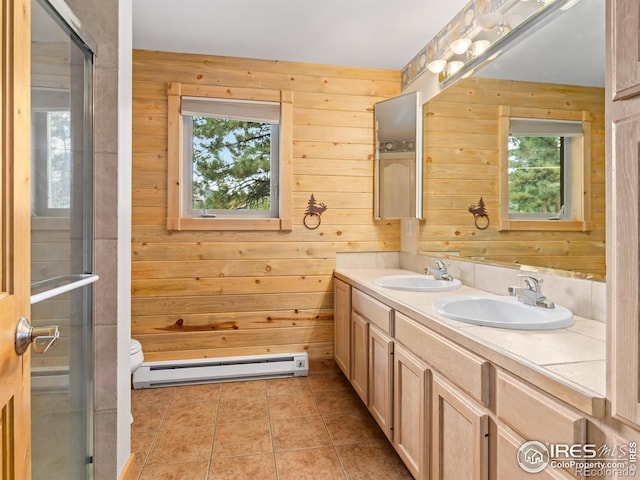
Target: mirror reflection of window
x=59, y=159
x=540, y=167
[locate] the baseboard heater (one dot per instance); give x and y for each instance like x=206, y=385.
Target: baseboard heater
x=226, y=369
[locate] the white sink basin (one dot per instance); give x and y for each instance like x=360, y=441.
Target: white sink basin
x=502, y=312
x=416, y=283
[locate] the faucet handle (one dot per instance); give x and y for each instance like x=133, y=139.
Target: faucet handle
x=441, y=266
x=533, y=283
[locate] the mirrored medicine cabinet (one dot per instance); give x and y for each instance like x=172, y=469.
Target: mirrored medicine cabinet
x=398, y=158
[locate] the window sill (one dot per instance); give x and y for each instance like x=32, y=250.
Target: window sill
x=234, y=224
x=546, y=225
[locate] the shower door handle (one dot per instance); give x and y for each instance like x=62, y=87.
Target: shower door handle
x=41, y=337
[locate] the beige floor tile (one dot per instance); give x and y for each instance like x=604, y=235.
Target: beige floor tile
x=295, y=405
x=189, y=415
x=181, y=445
x=311, y=464
x=242, y=409
x=209, y=392
x=323, y=366
x=250, y=388
x=299, y=432
x=176, y=471
x=370, y=462
x=247, y=467
x=328, y=381
x=148, y=396
x=353, y=428
x=245, y=438
x=316, y=425
x=147, y=416
x=141, y=443
x=287, y=386
x=339, y=401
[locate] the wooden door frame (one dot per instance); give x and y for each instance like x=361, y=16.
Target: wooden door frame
x=15, y=252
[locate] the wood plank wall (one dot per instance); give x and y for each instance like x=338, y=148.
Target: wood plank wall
x=461, y=165
x=212, y=294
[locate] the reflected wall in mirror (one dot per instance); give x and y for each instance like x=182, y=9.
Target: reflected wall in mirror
x=461, y=146
x=398, y=158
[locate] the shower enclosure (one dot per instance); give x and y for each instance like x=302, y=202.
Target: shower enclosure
x=61, y=241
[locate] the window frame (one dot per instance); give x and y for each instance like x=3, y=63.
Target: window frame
x=567, y=145
x=177, y=220
x=578, y=206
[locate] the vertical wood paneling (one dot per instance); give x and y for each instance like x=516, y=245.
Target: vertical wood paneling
x=461, y=155
x=224, y=293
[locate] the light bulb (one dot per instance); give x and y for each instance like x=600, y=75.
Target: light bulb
x=454, y=67
x=460, y=46
x=479, y=47
x=437, y=66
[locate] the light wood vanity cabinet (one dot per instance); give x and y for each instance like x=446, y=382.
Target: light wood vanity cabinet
x=370, y=368
x=437, y=402
x=535, y=415
x=380, y=403
x=360, y=356
x=342, y=325
x=507, y=445
x=460, y=434
x=623, y=274
x=411, y=405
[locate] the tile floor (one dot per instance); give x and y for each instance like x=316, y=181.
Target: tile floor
x=311, y=427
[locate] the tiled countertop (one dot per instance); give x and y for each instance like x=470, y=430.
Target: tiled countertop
x=569, y=363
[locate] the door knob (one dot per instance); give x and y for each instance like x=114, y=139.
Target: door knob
x=41, y=337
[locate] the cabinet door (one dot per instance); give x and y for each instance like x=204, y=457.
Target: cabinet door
x=359, y=355
x=507, y=446
x=625, y=58
x=380, y=378
x=342, y=325
x=623, y=284
x=411, y=411
x=460, y=434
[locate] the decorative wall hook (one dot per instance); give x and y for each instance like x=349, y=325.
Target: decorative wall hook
x=312, y=215
x=480, y=217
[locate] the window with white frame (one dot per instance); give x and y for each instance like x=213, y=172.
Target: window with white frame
x=545, y=169
x=540, y=156
x=229, y=153
x=230, y=157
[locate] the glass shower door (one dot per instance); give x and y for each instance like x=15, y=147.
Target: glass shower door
x=61, y=244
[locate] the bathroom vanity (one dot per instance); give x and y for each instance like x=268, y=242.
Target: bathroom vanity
x=458, y=400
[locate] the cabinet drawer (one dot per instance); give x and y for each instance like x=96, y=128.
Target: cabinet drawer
x=463, y=368
x=535, y=415
x=507, y=446
x=373, y=310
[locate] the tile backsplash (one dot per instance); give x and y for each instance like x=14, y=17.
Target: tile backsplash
x=586, y=298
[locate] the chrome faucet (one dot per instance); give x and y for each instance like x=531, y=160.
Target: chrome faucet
x=532, y=293
x=440, y=272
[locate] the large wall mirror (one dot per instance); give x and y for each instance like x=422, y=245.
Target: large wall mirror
x=556, y=74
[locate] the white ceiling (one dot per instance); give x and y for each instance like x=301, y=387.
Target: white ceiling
x=355, y=33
